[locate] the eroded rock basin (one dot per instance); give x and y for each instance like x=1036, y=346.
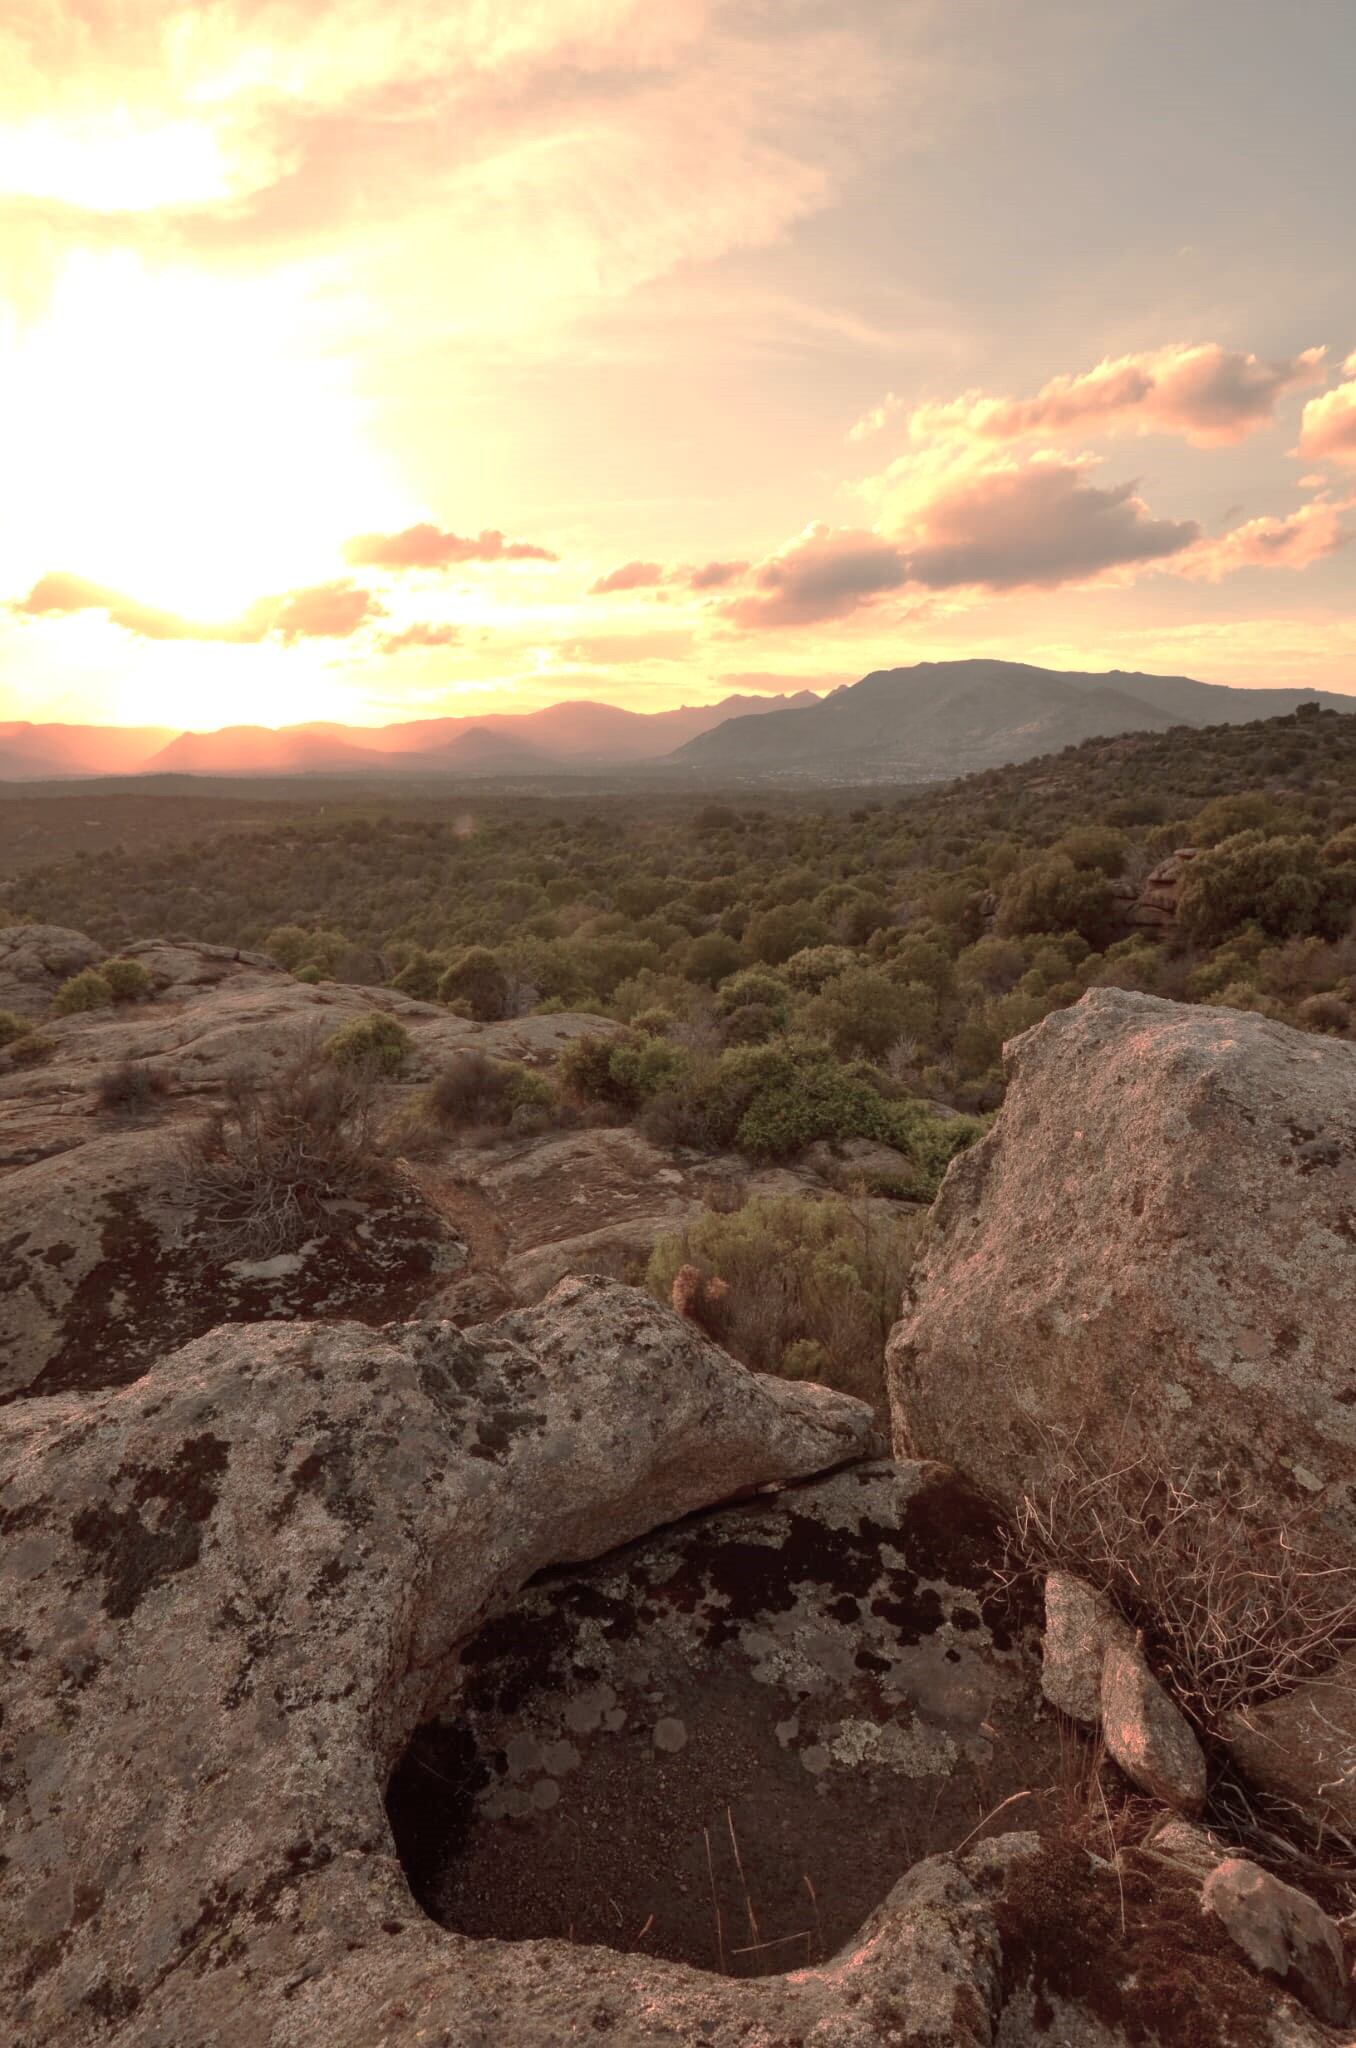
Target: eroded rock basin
x=724, y=1744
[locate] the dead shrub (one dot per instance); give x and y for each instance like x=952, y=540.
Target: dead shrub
x=1235, y=1606
x=262, y=1173
x=469, y=1090
x=131, y=1087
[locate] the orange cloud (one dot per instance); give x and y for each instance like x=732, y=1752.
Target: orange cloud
x=825, y=573
x=1032, y=525
x=715, y=575
x=419, y=636
x=323, y=611
x=1036, y=525
x=429, y=547
x=630, y=576
x=1328, y=424
x=1207, y=394
x=1294, y=542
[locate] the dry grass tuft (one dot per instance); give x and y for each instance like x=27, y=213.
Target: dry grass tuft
x=263, y=1172
x=1235, y=1606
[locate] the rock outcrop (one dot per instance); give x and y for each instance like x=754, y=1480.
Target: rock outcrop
x=1081, y=1625
x=235, y=1590
x=1154, y=1248
x=1146, y=1734
x=105, y=1263
x=34, y=961
x=1151, y=905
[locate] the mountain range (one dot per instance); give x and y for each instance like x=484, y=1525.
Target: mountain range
x=490, y=743
x=943, y=718
x=917, y=724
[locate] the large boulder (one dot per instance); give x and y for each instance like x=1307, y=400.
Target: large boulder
x=1153, y=1249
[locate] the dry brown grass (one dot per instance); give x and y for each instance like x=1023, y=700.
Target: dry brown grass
x=1235, y=1605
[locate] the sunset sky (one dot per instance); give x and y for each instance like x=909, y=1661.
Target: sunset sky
x=387, y=358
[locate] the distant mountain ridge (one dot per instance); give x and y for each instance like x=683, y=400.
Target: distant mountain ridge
x=577, y=734
x=924, y=723
x=936, y=720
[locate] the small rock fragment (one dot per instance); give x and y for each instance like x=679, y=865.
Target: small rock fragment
x=1283, y=1932
x=1146, y=1735
x=1080, y=1626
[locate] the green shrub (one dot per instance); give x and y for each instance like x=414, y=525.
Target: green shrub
x=476, y=983
x=377, y=1042
x=12, y=1027
x=812, y=1285
x=310, y=975
x=419, y=976
x=1282, y=885
x=128, y=980
x=754, y=985
x=287, y=944
x=1052, y=894
x=814, y=965
x=867, y=1011
x=85, y=991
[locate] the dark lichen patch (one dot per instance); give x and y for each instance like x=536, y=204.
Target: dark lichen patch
x=133, y=1555
x=147, y=1292
x=732, y=1672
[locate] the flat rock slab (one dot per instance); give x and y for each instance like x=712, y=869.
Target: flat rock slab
x=770, y=1712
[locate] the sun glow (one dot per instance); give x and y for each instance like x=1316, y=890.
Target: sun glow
x=117, y=164
x=179, y=440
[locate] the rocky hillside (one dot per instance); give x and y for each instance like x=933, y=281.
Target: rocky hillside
x=111, y=1251
x=380, y=1674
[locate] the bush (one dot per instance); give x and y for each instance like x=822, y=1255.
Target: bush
x=378, y=1042
x=287, y=944
x=263, y=1173
x=1282, y=885
x=754, y=985
x=128, y=980
x=419, y=977
x=1053, y=895
x=12, y=1027
x=30, y=1050
x=1234, y=1606
x=131, y=1087
x=811, y=1285
x=1326, y=1012
x=476, y=983
x=85, y=991
x=473, y=1092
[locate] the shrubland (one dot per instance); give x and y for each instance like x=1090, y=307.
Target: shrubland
x=793, y=967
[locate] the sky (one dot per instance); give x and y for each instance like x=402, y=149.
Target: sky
x=388, y=358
